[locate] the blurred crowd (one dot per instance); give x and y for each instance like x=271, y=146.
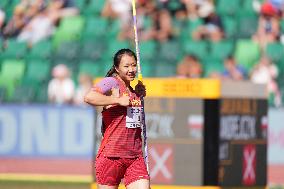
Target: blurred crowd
x=35, y=20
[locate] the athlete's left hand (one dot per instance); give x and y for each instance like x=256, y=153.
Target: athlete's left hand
x=140, y=89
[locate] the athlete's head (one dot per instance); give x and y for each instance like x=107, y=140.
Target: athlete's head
x=124, y=65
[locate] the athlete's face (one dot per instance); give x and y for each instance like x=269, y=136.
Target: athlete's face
x=127, y=68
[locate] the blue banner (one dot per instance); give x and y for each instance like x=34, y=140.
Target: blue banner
x=46, y=131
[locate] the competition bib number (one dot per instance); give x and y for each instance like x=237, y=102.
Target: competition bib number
x=134, y=117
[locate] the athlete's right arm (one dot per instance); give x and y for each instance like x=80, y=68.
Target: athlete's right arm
x=106, y=92
x=98, y=99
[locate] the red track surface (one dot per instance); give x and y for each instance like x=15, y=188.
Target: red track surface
x=46, y=166
x=276, y=174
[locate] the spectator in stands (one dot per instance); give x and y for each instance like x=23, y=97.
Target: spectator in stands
x=85, y=84
x=189, y=67
x=63, y=8
x=2, y=20
x=17, y=22
x=161, y=29
x=61, y=88
x=192, y=7
x=268, y=30
x=23, y=13
x=212, y=28
x=39, y=28
x=265, y=72
x=232, y=70
x=121, y=10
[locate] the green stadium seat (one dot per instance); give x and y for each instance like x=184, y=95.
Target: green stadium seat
x=93, y=49
x=38, y=70
x=70, y=29
x=247, y=25
x=275, y=51
x=9, y=86
x=165, y=69
x=221, y=50
x=230, y=25
x=114, y=29
x=23, y=94
x=80, y=4
x=247, y=7
x=282, y=25
x=247, y=53
x=190, y=26
x=42, y=94
x=95, y=7
x=96, y=26
x=3, y=92
x=147, y=22
x=41, y=49
x=106, y=65
x=12, y=68
x=114, y=47
x=174, y=5
x=225, y=7
x=68, y=50
x=73, y=24
x=3, y=4
x=148, y=68
x=196, y=48
x=148, y=49
x=14, y=49
x=170, y=51
x=11, y=73
x=92, y=68
x=212, y=66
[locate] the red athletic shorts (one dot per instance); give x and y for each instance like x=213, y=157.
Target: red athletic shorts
x=111, y=170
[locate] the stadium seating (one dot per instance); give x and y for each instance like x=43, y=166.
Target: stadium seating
x=14, y=49
x=275, y=51
x=23, y=94
x=42, y=50
x=38, y=70
x=247, y=53
x=11, y=73
x=86, y=44
x=92, y=68
x=196, y=48
x=221, y=50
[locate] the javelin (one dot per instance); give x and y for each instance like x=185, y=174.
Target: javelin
x=140, y=79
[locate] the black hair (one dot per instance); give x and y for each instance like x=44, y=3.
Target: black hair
x=117, y=58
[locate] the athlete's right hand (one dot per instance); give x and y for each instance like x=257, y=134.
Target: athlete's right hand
x=124, y=101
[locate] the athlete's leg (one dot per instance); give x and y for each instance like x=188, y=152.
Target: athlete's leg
x=136, y=175
x=109, y=172
x=139, y=184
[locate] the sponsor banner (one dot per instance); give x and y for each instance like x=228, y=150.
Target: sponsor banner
x=181, y=88
x=161, y=161
x=46, y=131
x=243, y=142
x=276, y=137
x=249, y=165
x=276, y=146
